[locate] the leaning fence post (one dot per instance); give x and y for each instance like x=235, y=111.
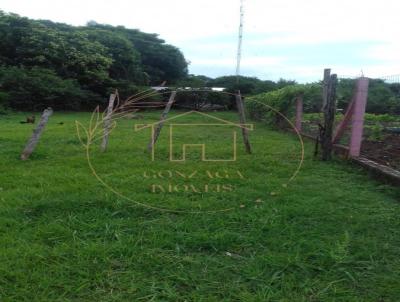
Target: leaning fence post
x=242, y=117
x=299, y=112
x=156, y=133
x=107, y=121
x=30, y=146
x=357, y=124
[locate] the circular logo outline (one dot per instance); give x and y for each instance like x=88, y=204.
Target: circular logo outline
x=93, y=131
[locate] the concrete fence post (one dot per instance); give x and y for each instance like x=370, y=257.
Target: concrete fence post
x=357, y=123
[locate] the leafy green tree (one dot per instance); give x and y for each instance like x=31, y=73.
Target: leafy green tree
x=381, y=98
x=83, y=63
x=283, y=83
x=126, y=60
x=345, y=90
x=161, y=62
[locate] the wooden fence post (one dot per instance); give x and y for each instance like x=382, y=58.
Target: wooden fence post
x=30, y=146
x=156, y=133
x=325, y=84
x=242, y=117
x=357, y=124
x=329, y=118
x=107, y=121
x=299, y=112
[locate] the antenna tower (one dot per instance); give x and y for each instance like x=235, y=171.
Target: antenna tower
x=239, y=50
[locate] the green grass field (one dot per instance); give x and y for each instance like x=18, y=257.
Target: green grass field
x=330, y=234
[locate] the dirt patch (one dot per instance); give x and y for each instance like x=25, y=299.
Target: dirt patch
x=385, y=151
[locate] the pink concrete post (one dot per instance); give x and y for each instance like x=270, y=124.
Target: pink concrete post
x=357, y=124
x=299, y=112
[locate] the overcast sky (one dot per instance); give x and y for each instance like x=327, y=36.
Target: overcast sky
x=291, y=39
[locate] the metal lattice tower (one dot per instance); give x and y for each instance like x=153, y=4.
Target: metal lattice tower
x=239, y=50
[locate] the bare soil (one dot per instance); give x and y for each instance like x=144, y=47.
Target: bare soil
x=385, y=151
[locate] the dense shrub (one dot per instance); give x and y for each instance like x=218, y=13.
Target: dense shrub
x=281, y=100
x=383, y=99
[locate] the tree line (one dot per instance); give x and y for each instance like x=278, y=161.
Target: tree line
x=383, y=97
x=43, y=63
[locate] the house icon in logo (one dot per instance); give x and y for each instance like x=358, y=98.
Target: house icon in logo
x=215, y=124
